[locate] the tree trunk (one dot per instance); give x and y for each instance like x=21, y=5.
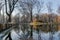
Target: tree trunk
x=9, y=35
x=31, y=26
x=9, y=19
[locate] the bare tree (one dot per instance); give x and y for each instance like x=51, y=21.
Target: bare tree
x=49, y=6
x=10, y=4
x=39, y=5
x=28, y=6
x=58, y=10
x=17, y=21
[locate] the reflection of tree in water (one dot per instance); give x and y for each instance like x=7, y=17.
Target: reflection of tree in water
x=38, y=32
x=52, y=32
x=39, y=36
x=59, y=35
x=22, y=27
x=22, y=34
x=51, y=36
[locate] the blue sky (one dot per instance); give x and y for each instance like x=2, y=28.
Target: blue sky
x=55, y=4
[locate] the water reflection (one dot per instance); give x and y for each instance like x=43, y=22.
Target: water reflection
x=44, y=36
x=24, y=35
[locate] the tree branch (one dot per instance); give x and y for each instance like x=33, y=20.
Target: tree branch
x=13, y=5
